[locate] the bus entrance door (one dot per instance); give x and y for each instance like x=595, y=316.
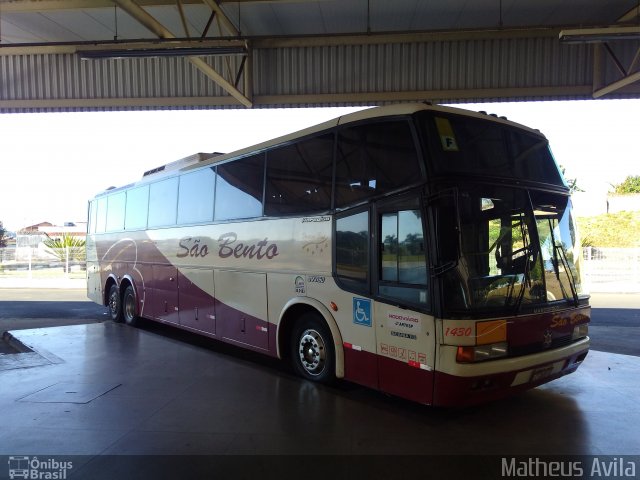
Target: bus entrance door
x=406, y=348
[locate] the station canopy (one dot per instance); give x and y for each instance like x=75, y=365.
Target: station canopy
x=83, y=55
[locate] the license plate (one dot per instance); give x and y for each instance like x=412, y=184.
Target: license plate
x=541, y=373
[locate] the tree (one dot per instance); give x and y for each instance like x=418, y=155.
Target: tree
x=631, y=184
x=571, y=182
x=3, y=238
x=66, y=248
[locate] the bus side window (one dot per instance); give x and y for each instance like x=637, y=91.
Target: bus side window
x=403, y=264
x=93, y=210
x=239, y=188
x=373, y=159
x=115, y=212
x=299, y=177
x=163, y=201
x=352, y=251
x=195, y=196
x=137, y=208
x=101, y=215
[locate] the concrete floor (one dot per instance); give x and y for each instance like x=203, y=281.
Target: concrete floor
x=106, y=389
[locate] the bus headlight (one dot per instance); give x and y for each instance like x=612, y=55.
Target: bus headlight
x=480, y=353
x=580, y=331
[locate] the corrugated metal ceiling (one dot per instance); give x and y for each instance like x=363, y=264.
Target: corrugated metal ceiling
x=64, y=21
x=301, y=52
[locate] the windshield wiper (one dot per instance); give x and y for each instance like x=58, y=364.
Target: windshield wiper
x=527, y=267
x=565, y=263
x=570, y=277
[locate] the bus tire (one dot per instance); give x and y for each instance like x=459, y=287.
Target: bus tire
x=312, y=350
x=129, y=307
x=114, y=303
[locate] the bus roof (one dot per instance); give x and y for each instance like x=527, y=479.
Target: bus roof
x=374, y=112
x=202, y=159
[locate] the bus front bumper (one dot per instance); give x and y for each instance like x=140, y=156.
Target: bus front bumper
x=469, y=384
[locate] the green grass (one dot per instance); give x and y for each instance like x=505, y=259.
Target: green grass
x=611, y=230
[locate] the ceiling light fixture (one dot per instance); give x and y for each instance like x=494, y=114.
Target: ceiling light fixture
x=595, y=35
x=162, y=52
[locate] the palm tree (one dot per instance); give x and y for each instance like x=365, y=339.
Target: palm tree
x=66, y=248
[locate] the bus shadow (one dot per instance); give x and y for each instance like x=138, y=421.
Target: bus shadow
x=542, y=421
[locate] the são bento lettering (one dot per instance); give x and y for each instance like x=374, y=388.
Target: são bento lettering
x=228, y=246
x=191, y=247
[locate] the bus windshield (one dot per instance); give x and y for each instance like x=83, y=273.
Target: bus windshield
x=518, y=250
x=473, y=147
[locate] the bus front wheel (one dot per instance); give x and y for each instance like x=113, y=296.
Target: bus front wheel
x=129, y=306
x=114, y=303
x=312, y=351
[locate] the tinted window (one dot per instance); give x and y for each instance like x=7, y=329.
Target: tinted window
x=239, y=188
x=195, y=201
x=373, y=159
x=115, y=212
x=93, y=210
x=163, y=198
x=137, y=205
x=352, y=250
x=403, y=262
x=299, y=177
x=101, y=215
x=484, y=147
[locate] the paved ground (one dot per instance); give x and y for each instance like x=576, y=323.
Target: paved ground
x=105, y=390
x=155, y=402
x=615, y=323
x=45, y=307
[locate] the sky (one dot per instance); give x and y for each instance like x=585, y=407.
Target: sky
x=51, y=164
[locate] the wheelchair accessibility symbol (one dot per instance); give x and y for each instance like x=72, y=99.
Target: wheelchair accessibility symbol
x=362, y=311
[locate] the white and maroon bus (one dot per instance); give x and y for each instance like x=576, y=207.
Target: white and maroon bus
x=424, y=251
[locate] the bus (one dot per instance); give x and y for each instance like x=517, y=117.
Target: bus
x=424, y=251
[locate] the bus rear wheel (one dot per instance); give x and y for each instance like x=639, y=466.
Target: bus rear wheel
x=114, y=303
x=129, y=306
x=312, y=351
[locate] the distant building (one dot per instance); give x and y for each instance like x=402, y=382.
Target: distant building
x=75, y=229
x=30, y=240
x=623, y=202
x=587, y=204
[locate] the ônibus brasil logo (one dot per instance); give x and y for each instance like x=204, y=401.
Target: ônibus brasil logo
x=34, y=468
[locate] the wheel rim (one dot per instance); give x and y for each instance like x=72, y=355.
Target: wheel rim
x=129, y=307
x=113, y=302
x=312, y=351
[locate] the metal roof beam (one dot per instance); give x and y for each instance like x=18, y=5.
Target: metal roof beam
x=305, y=40
x=144, y=18
x=22, y=6
x=183, y=19
x=631, y=16
x=628, y=77
x=369, y=98
x=409, y=37
x=228, y=24
x=148, y=21
x=612, y=87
